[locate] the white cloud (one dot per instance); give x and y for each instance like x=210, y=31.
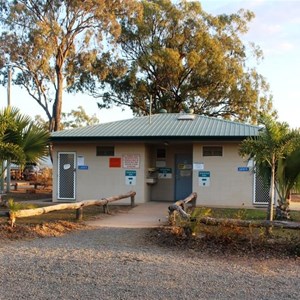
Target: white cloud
x=286, y=46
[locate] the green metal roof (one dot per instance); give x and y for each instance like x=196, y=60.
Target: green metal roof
x=164, y=125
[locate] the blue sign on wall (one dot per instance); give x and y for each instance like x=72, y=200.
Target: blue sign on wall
x=243, y=169
x=83, y=167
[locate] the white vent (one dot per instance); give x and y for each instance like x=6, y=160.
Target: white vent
x=186, y=117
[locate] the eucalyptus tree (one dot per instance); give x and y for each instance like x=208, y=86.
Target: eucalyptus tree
x=48, y=43
x=180, y=57
x=73, y=119
x=275, y=143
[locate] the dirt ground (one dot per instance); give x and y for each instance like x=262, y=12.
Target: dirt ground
x=165, y=236
x=26, y=192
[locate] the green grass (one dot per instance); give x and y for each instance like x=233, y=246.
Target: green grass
x=295, y=216
x=244, y=214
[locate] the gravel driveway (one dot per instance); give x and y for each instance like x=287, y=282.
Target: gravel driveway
x=120, y=263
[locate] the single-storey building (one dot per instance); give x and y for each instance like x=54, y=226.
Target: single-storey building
x=163, y=157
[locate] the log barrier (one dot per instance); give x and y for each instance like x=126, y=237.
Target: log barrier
x=78, y=206
x=181, y=205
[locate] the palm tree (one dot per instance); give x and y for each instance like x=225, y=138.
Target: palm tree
x=274, y=142
x=288, y=179
x=20, y=140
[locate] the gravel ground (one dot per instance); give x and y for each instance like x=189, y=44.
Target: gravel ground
x=115, y=263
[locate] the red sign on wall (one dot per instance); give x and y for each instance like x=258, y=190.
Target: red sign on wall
x=115, y=162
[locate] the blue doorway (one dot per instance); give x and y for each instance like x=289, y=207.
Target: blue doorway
x=183, y=175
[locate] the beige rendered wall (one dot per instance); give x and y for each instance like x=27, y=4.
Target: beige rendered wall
x=228, y=186
x=100, y=180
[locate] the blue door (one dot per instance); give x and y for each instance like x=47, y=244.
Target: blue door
x=183, y=176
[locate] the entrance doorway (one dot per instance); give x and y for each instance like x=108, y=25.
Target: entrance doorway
x=66, y=175
x=183, y=175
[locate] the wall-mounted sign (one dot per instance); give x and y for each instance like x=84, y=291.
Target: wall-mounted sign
x=83, y=167
x=115, y=162
x=185, y=173
x=184, y=166
x=80, y=160
x=67, y=166
x=160, y=164
x=198, y=166
x=243, y=169
x=165, y=173
x=131, y=161
x=204, y=178
x=130, y=177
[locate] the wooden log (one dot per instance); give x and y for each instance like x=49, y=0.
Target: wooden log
x=132, y=200
x=181, y=205
x=178, y=208
x=105, y=208
x=4, y=214
x=248, y=223
x=78, y=205
x=79, y=213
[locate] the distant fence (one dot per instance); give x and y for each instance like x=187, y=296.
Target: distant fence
x=78, y=206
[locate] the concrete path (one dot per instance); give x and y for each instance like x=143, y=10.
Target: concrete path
x=146, y=215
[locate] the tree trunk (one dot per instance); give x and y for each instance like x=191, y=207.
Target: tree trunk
x=283, y=209
x=57, y=106
x=272, y=198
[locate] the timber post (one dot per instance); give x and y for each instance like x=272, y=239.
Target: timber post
x=79, y=213
x=105, y=208
x=132, y=200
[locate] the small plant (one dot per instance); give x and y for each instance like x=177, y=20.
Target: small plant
x=16, y=206
x=193, y=226
x=13, y=206
x=241, y=214
x=199, y=212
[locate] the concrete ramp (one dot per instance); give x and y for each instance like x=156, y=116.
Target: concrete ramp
x=145, y=215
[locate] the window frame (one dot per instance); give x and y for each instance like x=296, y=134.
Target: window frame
x=212, y=151
x=162, y=155
x=105, y=150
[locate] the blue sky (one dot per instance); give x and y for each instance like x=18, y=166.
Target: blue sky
x=275, y=29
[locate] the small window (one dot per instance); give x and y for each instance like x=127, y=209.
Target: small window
x=212, y=151
x=160, y=153
x=105, y=151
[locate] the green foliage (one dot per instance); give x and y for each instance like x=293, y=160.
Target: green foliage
x=74, y=119
x=184, y=58
x=21, y=140
x=77, y=118
x=53, y=45
x=241, y=214
x=199, y=212
x=269, y=149
x=288, y=173
x=13, y=206
x=236, y=239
